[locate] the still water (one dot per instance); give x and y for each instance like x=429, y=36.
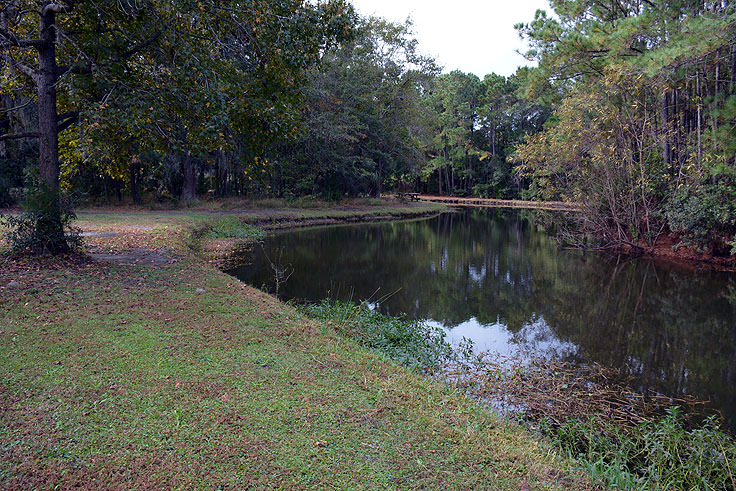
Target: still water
x=494, y=277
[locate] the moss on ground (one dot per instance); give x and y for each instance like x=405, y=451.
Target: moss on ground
x=179, y=376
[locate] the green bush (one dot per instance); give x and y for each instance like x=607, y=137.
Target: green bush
x=44, y=226
x=704, y=213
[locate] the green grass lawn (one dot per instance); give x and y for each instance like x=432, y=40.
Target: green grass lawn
x=179, y=376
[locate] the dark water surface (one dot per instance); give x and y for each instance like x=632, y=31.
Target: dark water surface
x=492, y=276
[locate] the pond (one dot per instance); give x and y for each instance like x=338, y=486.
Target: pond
x=495, y=277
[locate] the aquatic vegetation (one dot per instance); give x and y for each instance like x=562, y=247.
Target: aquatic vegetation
x=411, y=343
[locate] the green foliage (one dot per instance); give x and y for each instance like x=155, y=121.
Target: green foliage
x=643, y=138
x=657, y=454
x=704, y=214
x=411, y=343
x=45, y=226
x=476, y=124
x=362, y=119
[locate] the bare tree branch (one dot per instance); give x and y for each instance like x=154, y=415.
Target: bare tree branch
x=70, y=119
x=22, y=68
x=144, y=44
x=17, y=136
x=13, y=41
x=54, y=7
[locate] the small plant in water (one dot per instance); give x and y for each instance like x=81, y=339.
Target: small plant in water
x=281, y=272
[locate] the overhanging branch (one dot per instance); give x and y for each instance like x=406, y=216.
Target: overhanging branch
x=144, y=44
x=67, y=119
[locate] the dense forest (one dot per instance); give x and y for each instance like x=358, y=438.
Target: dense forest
x=629, y=111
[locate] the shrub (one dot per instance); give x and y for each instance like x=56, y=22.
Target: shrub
x=44, y=226
x=232, y=228
x=704, y=214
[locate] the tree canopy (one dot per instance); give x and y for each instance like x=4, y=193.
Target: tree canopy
x=630, y=111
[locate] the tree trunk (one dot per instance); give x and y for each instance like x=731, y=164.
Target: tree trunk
x=49, y=228
x=133, y=169
x=380, y=178
x=220, y=173
x=47, y=117
x=118, y=190
x=732, y=76
x=189, y=189
x=665, y=130
x=700, y=106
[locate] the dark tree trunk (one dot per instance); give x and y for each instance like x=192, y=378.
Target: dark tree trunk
x=49, y=228
x=189, y=189
x=665, y=129
x=378, y=181
x=47, y=117
x=732, y=75
x=134, y=169
x=118, y=190
x=220, y=173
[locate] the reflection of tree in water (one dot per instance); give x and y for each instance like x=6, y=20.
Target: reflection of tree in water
x=671, y=328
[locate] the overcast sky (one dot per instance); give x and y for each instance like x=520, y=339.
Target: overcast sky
x=476, y=36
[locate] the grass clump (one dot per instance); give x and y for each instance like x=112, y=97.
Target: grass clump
x=657, y=454
x=232, y=228
x=411, y=343
x=222, y=228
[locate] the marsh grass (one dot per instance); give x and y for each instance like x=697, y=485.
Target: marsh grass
x=661, y=453
x=410, y=343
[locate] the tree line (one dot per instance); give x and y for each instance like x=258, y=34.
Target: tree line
x=629, y=112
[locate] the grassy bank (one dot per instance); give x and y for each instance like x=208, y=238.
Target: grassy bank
x=148, y=368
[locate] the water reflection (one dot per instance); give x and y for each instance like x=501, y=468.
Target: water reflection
x=493, y=277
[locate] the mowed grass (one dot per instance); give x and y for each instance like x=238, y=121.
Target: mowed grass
x=263, y=212
x=132, y=377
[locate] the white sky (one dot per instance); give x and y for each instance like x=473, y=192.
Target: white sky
x=476, y=36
